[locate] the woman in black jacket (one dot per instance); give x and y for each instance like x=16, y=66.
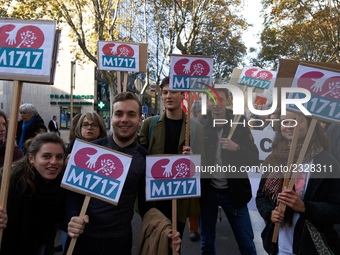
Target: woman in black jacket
x=36, y=202
x=313, y=205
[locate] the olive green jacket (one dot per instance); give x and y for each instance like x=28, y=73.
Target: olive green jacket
x=187, y=206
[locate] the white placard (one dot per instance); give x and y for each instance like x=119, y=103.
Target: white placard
x=256, y=77
x=264, y=142
x=26, y=49
x=96, y=171
x=190, y=73
x=169, y=177
x=118, y=56
x=324, y=87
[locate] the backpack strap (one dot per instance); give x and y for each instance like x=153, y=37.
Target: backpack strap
x=154, y=121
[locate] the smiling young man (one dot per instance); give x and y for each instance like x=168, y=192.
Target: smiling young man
x=106, y=227
x=168, y=137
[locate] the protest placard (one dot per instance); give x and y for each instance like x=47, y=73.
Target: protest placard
x=174, y=176
x=122, y=56
x=96, y=171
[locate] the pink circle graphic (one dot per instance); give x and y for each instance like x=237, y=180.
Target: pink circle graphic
x=104, y=164
x=161, y=170
x=197, y=67
x=183, y=168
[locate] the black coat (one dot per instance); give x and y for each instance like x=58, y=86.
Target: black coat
x=32, y=130
x=322, y=202
x=248, y=155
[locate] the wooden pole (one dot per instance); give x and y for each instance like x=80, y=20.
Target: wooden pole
x=82, y=214
x=237, y=117
x=303, y=151
x=288, y=173
x=126, y=75
x=10, y=142
x=174, y=201
x=119, y=83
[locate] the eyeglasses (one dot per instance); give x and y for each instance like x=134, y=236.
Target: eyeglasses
x=3, y=125
x=87, y=125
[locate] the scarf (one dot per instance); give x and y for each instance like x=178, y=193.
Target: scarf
x=274, y=181
x=25, y=125
x=278, y=157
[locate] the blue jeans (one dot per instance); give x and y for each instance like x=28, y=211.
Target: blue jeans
x=239, y=221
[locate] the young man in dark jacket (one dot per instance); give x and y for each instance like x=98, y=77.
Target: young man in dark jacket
x=227, y=187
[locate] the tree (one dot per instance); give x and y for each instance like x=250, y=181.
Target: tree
x=191, y=26
x=300, y=29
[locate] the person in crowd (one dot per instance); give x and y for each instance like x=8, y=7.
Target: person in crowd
x=90, y=127
x=168, y=137
x=30, y=124
x=312, y=206
x=274, y=121
x=73, y=127
x=107, y=227
x=53, y=125
x=333, y=132
x=231, y=191
x=36, y=202
x=17, y=154
x=193, y=221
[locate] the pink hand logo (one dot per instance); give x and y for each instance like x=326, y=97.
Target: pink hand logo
x=259, y=74
x=30, y=37
x=316, y=84
x=104, y=164
x=191, y=67
x=122, y=50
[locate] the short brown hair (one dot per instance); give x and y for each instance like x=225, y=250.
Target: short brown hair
x=128, y=96
x=164, y=82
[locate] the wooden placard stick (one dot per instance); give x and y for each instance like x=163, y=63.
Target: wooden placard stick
x=119, y=83
x=303, y=151
x=82, y=214
x=288, y=173
x=10, y=142
x=237, y=117
x=126, y=75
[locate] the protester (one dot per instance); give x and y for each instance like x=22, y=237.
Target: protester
x=30, y=124
x=53, y=125
x=193, y=221
x=17, y=154
x=106, y=227
x=168, y=137
x=36, y=202
x=333, y=132
x=313, y=206
x=90, y=127
x=73, y=127
x=230, y=190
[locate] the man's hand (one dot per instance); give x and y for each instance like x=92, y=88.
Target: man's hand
x=3, y=218
x=175, y=241
x=290, y=198
x=277, y=215
x=227, y=144
x=187, y=150
x=76, y=226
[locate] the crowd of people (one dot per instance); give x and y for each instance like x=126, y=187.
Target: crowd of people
x=37, y=206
